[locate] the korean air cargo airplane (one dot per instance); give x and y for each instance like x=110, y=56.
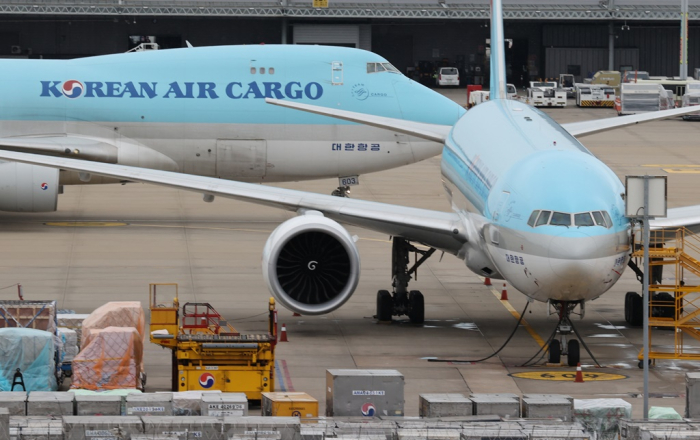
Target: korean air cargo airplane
x=202, y=111
x=513, y=177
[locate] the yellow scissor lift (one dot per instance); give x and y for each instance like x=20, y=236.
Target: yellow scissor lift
x=679, y=309
x=209, y=354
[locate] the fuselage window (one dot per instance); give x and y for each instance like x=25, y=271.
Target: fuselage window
x=543, y=218
x=253, y=70
x=532, y=219
x=561, y=219
x=381, y=67
x=371, y=67
x=599, y=220
x=262, y=70
x=271, y=71
x=390, y=68
x=608, y=220
x=583, y=219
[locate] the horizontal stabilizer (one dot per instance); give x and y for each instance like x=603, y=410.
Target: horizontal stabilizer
x=580, y=129
x=431, y=132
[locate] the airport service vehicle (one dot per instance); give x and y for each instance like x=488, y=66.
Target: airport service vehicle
x=595, y=95
x=635, y=75
x=520, y=213
x=567, y=83
x=608, y=77
x=691, y=98
x=477, y=97
x=511, y=91
x=202, y=111
x=447, y=76
x=208, y=353
x=641, y=98
x=545, y=94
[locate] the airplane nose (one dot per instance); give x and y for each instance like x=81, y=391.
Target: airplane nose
x=570, y=256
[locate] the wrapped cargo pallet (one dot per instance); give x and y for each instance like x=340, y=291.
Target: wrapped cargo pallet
x=32, y=351
x=73, y=321
x=40, y=315
x=112, y=360
x=115, y=314
x=602, y=416
x=69, y=339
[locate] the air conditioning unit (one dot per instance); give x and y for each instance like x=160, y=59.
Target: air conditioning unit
x=15, y=50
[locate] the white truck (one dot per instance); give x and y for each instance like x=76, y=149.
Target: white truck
x=568, y=84
x=545, y=94
x=595, y=95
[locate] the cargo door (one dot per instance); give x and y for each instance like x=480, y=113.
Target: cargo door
x=241, y=158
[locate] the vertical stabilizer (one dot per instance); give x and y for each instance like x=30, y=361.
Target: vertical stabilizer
x=498, y=56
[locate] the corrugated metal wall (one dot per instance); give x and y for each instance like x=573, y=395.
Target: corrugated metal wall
x=658, y=46
x=557, y=60
x=327, y=34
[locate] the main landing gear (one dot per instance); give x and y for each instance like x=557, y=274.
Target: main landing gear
x=403, y=301
x=341, y=191
x=561, y=347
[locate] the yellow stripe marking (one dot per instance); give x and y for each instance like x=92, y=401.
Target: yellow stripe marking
x=516, y=315
x=567, y=376
x=86, y=224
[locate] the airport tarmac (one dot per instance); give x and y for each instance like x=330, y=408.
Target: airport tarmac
x=137, y=234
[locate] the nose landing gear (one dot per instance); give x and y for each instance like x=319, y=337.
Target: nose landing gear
x=561, y=347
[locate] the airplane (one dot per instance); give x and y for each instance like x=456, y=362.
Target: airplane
x=202, y=111
x=531, y=205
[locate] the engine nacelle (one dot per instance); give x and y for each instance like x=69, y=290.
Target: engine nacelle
x=28, y=188
x=311, y=264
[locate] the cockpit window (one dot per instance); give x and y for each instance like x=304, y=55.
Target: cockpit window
x=561, y=219
x=608, y=220
x=594, y=218
x=543, y=218
x=533, y=217
x=583, y=219
x=381, y=67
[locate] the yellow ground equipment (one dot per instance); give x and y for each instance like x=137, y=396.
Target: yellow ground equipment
x=209, y=354
x=289, y=404
x=675, y=301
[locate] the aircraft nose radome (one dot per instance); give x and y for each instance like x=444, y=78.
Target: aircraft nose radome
x=570, y=255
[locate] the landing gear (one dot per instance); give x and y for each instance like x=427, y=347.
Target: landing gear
x=341, y=191
x=403, y=302
x=561, y=347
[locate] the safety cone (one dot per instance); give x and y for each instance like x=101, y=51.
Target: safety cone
x=487, y=281
x=283, y=333
x=504, y=293
x=579, y=374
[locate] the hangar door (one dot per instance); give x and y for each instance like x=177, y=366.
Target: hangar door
x=241, y=158
x=357, y=36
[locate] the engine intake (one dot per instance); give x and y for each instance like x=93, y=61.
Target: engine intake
x=311, y=264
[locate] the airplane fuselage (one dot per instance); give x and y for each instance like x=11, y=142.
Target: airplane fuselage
x=202, y=110
x=552, y=214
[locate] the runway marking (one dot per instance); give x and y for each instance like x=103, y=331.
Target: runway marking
x=516, y=315
x=568, y=376
x=676, y=168
x=86, y=224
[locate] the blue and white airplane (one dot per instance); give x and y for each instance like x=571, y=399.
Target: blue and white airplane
x=531, y=205
x=202, y=111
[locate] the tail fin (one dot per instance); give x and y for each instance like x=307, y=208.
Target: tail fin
x=498, y=56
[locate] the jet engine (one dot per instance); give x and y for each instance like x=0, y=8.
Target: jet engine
x=311, y=264
x=28, y=188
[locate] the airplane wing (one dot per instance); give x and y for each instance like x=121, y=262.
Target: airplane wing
x=62, y=145
x=441, y=230
x=431, y=132
x=580, y=129
x=687, y=216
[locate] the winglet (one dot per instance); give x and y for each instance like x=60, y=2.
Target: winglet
x=498, y=58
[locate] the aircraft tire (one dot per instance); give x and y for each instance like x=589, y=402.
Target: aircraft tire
x=554, y=352
x=385, y=306
x=417, y=307
x=574, y=353
x=636, y=309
